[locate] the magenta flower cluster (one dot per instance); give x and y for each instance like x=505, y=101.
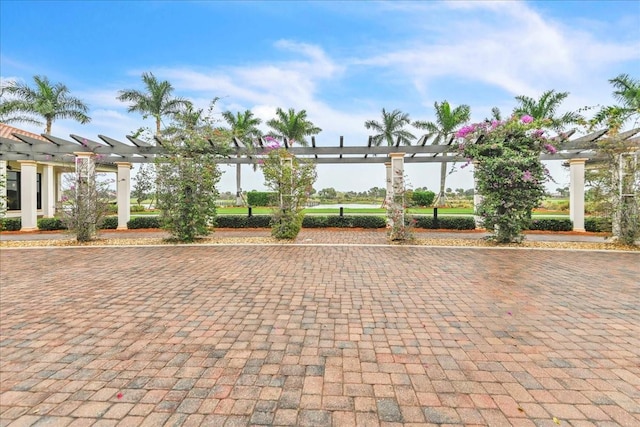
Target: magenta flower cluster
x=526, y=119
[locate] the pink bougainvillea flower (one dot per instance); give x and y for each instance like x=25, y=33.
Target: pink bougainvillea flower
x=550, y=148
x=119, y=395
x=527, y=176
x=526, y=119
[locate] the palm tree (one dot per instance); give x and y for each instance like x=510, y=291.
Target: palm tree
x=46, y=100
x=156, y=101
x=292, y=126
x=244, y=127
x=446, y=124
x=391, y=128
x=627, y=93
x=545, y=108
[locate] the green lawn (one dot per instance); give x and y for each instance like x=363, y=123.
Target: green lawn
x=358, y=211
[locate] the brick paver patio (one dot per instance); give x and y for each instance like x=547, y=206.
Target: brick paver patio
x=317, y=336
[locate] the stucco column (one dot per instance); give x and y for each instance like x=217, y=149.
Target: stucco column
x=397, y=172
x=3, y=186
x=59, y=179
x=239, y=184
x=397, y=183
x=576, y=193
x=48, y=192
x=124, y=194
x=28, y=195
x=389, y=194
x=477, y=197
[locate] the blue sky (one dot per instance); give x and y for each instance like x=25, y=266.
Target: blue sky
x=341, y=61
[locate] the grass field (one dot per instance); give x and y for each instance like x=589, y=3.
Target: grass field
x=360, y=211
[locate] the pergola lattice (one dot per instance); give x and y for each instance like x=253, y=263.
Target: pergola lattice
x=111, y=150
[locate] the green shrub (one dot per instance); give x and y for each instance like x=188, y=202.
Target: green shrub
x=109, y=223
x=551, y=224
x=369, y=221
x=136, y=208
x=144, y=222
x=262, y=198
x=286, y=225
x=314, y=221
x=242, y=221
x=597, y=224
x=445, y=222
x=340, y=221
x=10, y=224
x=423, y=198
x=49, y=224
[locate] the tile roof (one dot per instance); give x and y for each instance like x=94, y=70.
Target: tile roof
x=6, y=131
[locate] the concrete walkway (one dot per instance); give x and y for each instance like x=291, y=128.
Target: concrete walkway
x=313, y=335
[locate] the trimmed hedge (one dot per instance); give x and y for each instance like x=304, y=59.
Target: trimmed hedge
x=143, y=222
x=595, y=224
x=110, y=223
x=49, y=224
x=10, y=224
x=551, y=224
x=262, y=198
x=243, y=221
x=445, y=222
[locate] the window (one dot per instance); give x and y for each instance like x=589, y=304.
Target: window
x=13, y=191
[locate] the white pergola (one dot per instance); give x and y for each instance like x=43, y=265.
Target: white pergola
x=27, y=151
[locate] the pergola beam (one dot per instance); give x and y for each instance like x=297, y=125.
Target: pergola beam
x=142, y=152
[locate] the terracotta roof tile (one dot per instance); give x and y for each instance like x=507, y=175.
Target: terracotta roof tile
x=6, y=131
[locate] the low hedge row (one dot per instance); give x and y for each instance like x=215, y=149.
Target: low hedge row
x=51, y=224
x=349, y=221
x=445, y=222
x=551, y=224
x=316, y=221
x=243, y=221
x=143, y=222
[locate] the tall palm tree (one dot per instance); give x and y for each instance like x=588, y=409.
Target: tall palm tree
x=627, y=93
x=447, y=123
x=292, y=126
x=244, y=127
x=391, y=128
x=156, y=101
x=546, y=108
x=45, y=100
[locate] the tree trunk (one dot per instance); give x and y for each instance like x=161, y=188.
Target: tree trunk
x=158, y=126
x=48, y=129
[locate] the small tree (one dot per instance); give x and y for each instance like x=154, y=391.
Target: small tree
x=423, y=198
x=509, y=172
x=292, y=179
x=144, y=184
x=187, y=177
x=86, y=203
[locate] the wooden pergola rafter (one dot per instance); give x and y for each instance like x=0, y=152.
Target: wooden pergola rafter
x=110, y=150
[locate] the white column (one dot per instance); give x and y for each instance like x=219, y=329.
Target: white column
x=576, y=193
x=48, y=192
x=477, y=198
x=239, y=184
x=28, y=195
x=3, y=186
x=397, y=172
x=389, y=194
x=397, y=182
x=124, y=194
